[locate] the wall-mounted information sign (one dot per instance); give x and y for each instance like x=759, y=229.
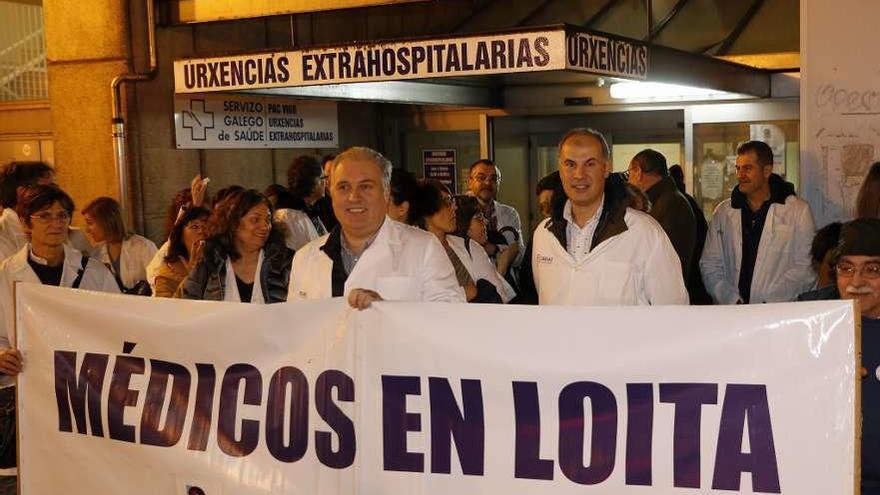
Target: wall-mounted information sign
x=232, y=121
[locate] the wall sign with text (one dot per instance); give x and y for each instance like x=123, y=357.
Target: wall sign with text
x=232, y=121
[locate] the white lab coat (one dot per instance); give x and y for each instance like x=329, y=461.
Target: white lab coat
x=782, y=267
x=479, y=266
x=17, y=269
x=298, y=227
x=13, y=237
x=402, y=264
x=636, y=267
x=137, y=252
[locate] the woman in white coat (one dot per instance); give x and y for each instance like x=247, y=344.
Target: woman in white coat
x=435, y=211
x=45, y=259
x=126, y=255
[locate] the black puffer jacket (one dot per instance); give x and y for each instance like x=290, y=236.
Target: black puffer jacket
x=208, y=279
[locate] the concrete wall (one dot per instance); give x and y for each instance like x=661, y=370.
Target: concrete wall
x=86, y=48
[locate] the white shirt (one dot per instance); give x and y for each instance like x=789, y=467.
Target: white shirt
x=580, y=239
x=299, y=229
x=12, y=238
x=479, y=266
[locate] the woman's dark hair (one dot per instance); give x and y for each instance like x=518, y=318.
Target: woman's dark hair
x=176, y=248
x=404, y=186
x=428, y=201
x=32, y=199
x=466, y=208
x=226, y=217
x=108, y=214
x=550, y=182
x=302, y=176
x=274, y=190
x=226, y=192
x=677, y=174
x=20, y=174
x=825, y=240
x=868, y=202
x=637, y=199
x=181, y=199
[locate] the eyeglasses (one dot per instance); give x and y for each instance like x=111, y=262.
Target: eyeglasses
x=448, y=201
x=486, y=178
x=870, y=270
x=47, y=218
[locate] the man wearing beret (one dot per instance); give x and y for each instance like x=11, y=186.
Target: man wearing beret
x=857, y=266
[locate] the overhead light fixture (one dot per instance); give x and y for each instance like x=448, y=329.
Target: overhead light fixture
x=648, y=91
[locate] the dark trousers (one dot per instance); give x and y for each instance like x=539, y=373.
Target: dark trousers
x=7, y=439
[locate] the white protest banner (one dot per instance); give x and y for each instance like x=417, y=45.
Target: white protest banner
x=131, y=395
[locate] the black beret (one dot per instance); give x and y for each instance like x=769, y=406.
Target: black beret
x=860, y=237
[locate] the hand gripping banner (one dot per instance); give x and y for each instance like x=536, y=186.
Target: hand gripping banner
x=132, y=395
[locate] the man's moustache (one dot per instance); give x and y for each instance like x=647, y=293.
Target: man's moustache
x=859, y=291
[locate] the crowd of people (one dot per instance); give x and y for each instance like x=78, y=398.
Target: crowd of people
x=353, y=226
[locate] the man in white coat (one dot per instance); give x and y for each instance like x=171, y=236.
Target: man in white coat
x=370, y=257
x=597, y=251
x=758, y=244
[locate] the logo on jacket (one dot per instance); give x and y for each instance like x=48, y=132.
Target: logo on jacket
x=544, y=259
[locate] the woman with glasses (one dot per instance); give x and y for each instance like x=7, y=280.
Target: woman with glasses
x=185, y=245
x=47, y=259
x=306, y=184
x=244, y=258
x=435, y=211
x=13, y=176
x=125, y=254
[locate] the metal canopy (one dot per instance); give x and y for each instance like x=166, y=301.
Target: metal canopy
x=463, y=70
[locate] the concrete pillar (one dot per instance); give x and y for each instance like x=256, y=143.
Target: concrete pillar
x=87, y=46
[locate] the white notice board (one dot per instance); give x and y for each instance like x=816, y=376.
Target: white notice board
x=217, y=121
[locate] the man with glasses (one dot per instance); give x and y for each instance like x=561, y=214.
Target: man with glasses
x=46, y=258
x=502, y=221
x=857, y=268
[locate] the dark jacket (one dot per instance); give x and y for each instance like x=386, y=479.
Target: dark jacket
x=696, y=290
x=671, y=210
x=208, y=279
x=611, y=223
x=827, y=293
x=780, y=190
